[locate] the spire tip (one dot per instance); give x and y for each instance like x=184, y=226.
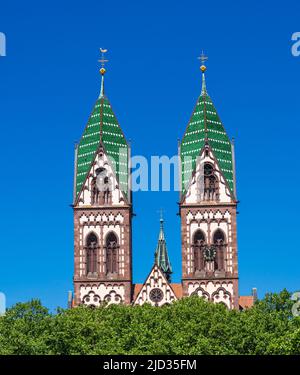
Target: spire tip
x=102, y=70
x=203, y=68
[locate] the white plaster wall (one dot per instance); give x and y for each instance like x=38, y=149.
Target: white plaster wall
x=112, y=228
x=194, y=227
x=85, y=218
x=115, y=292
x=222, y=225
x=214, y=291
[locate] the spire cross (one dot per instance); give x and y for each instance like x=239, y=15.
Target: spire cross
x=103, y=60
x=161, y=211
x=203, y=58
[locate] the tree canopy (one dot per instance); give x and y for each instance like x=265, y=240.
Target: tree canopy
x=188, y=326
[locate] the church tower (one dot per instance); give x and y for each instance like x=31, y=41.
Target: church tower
x=102, y=209
x=208, y=206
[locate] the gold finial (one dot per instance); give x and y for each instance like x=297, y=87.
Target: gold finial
x=102, y=60
x=202, y=58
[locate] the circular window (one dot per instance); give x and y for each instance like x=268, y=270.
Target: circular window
x=156, y=295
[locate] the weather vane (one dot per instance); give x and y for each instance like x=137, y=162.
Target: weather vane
x=203, y=58
x=103, y=60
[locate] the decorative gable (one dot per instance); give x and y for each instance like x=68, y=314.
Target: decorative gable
x=195, y=189
x=156, y=290
x=101, y=186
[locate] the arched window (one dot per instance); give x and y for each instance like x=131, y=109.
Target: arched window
x=112, y=247
x=211, y=186
x=220, y=244
x=198, y=246
x=91, y=253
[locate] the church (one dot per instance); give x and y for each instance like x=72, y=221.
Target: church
x=103, y=210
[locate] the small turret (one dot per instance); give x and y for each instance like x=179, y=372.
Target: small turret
x=161, y=253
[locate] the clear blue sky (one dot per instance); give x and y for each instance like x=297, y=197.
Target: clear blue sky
x=50, y=81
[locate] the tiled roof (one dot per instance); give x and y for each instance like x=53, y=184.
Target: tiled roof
x=136, y=289
x=102, y=127
x=205, y=126
x=177, y=289
x=245, y=302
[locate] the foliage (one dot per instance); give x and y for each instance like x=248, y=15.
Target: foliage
x=188, y=326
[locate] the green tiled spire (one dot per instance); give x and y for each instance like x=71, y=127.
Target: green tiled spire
x=102, y=129
x=161, y=253
x=204, y=127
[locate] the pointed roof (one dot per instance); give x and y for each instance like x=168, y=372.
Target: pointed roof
x=205, y=127
x=161, y=253
x=103, y=130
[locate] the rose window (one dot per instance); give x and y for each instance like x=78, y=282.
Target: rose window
x=156, y=295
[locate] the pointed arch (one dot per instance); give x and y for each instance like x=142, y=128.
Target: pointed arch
x=222, y=295
x=219, y=241
x=112, y=252
x=200, y=292
x=199, y=241
x=211, y=183
x=91, y=249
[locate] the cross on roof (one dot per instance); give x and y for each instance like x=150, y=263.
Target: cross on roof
x=203, y=58
x=103, y=60
x=161, y=211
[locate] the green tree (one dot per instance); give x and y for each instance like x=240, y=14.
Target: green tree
x=188, y=326
x=22, y=329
